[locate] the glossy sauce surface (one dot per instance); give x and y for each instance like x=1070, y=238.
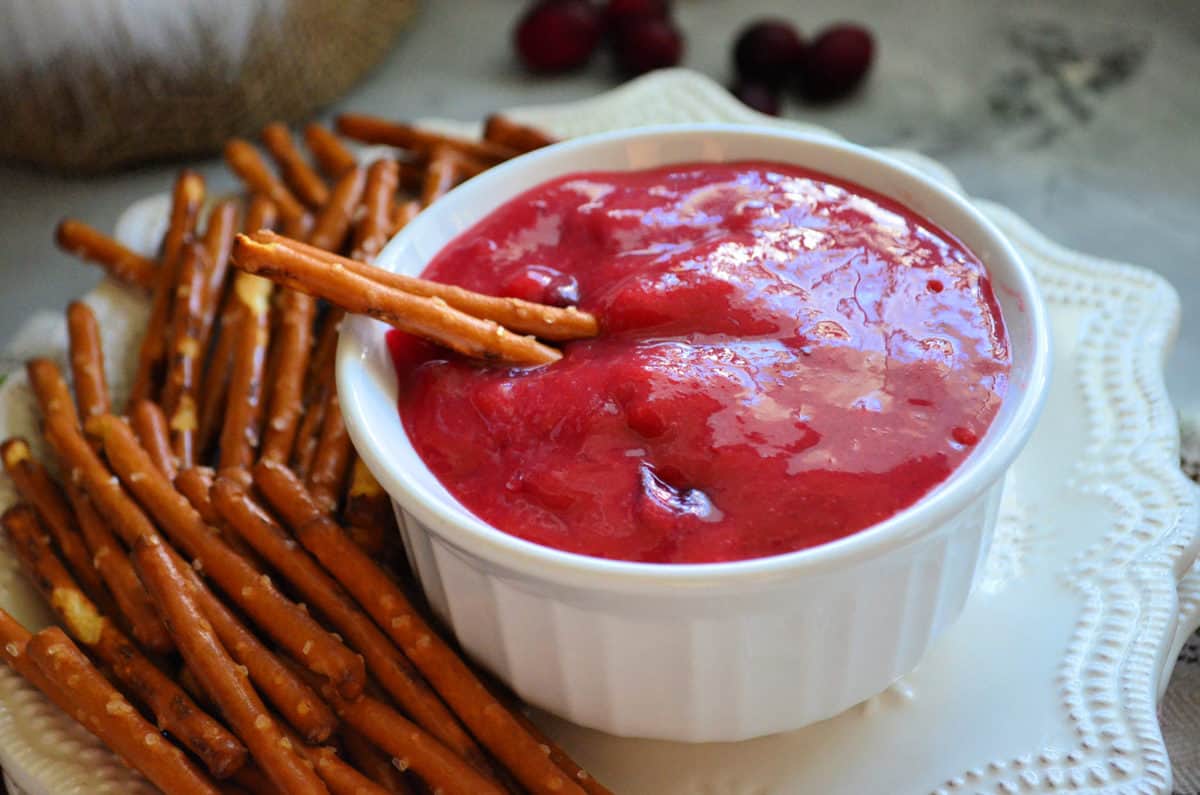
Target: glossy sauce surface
x=785, y=360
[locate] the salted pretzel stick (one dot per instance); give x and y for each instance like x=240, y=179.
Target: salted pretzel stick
x=375, y=764
x=36, y=487
x=373, y=130
x=103, y=711
x=211, y=664
x=150, y=425
x=247, y=163
x=186, y=200
x=332, y=223
x=171, y=707
x=218, y=245
x=298, y=228
x=384, y=662
x=441, y=174
x=430, y=318
x=307, y=436
x=196, y=484
x=298, y=174
x=185, y=355
x=243, y=414
x=504, y=131
x=91, y=245
x=560, y=757
x=87, y=360
x=368, y=511
x=51, y=390
x=487, y=719
x=292, y=697
x=341, y=778
x=546, y=322
x=379, y=196
x=247, y=587
x=294, y=346
x=331, y=459
x=114, y=567
x=330, y=153
x=403, y=214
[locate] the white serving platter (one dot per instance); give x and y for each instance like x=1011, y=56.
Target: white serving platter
x=1050, y=679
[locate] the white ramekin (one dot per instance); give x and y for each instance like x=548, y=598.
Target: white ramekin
x=705, y=652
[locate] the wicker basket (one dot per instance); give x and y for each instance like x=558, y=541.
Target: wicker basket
x=86, y=109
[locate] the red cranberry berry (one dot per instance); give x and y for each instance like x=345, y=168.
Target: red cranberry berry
x=769, y=51
x=619, y=13
x=836, y=62
x=760, y=96
x=558, y=35
x=648, y=44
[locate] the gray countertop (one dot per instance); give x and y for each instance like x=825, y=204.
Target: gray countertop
x=1082, y=116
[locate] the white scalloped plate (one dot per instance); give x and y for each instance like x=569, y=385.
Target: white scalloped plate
x=1049, y=680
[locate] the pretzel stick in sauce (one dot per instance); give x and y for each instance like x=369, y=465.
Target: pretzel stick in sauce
x=374, y=763
x=333, y=157
x=526, y=317
x=332, y=223
x=212, y=666
x=103, y=711
x=430, y=318
x=247, y=163
x=243, y=405
x=248, y=588
x=305, y=183
x=290, y=696
x=378, y=199
x=373, y=130
x=36, y=487
x=171, y=707
x=331, y=459
x=87, y=360
x=384, y=662
x=294, y=343
x=150, y=425
x=486, y=718
x=504, y=131
x=184, y=354
x=91, y=245
x=186, y=200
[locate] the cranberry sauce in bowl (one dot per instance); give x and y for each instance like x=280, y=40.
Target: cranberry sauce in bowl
x=786, y=359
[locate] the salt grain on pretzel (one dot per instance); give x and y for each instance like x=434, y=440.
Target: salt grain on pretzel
x=171, y=707
x=305, y=183
x=330, y=153
x=247, y=163
x=293, y=344
x=374, y=130
x=332, y=223
x=504, y=131
x=87, y=360
x=375, y=227
x=184, y=354
x=486, y=718
x=218, y=675
x=430, y=318
x=91, y=245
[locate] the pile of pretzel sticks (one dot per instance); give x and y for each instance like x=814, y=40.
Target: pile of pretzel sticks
x=212, y=550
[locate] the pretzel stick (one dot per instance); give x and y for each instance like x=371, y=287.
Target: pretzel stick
x=330, y=153
x=184, y=354
x=368, y=511
x=247, y=587
x=379, y=195
x=215, y=670
x=375, y=764
x=298, y=175
x=87, y=360
x=103, y=711
x=53, y=395
x=299, y=227
x=341, y=778
x=110, y=560
x=560, y=757
x=331, y=459
x=333, y=221
x=384, y=662
x=150, y=425
x=175, y=712
x=218, y=245
x=547, y=322
x=196, y=484
x=373, y=130
x=251, y=778
x=486, y=718
x=412, y=175
x=504, y=131
x=430, y=318
x=185, y=205
x=91, y=245
x=307, y=436
x=247, y=163
x=240, y=431
x=403, y=215
x=292, y=697
x=294, y=344
x=35, y=486
x=441, y=174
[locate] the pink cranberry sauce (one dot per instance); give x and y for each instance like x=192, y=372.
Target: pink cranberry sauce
x=786, y=359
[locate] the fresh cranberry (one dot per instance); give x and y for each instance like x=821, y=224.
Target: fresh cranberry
x=760, y=96
x=769, y=51
x=836, y=62
x=619, y=13
x=558, y=35
x=542, y=285
x=648, y=44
